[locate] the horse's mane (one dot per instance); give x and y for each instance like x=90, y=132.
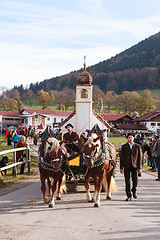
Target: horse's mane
x=55, y=145
x=91, y=138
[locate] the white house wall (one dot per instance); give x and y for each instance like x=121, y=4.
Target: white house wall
x=50, y=119
x=150, y=127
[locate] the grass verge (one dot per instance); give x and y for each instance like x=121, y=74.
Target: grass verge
x=9, y=179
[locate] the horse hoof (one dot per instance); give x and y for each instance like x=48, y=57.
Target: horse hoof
x=93, y=200
x=96, y=205
x=108, y=198
x=50, y=205
x=45, y=200
x=58, y=198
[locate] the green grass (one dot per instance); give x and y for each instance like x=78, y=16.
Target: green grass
x=155, y=92
x=9, y=179
x=40, y=107
x=117, y=141
x=71, y=108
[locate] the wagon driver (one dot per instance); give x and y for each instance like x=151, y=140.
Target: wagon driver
x=71, y=139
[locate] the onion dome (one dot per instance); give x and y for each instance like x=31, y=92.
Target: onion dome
x=84, y=78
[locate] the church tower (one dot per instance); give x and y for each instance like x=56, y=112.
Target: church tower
x=84, y=100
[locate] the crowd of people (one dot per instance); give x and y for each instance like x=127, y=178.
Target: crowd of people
x=18, y=138
x=133, y=155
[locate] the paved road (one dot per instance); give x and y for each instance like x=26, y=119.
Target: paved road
x=24, y=216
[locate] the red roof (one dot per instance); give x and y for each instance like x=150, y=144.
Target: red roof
x=113, y=117
x=101, y=119
x=9, y=114
x=45, y=111
x=147, y=116
x=131, y=126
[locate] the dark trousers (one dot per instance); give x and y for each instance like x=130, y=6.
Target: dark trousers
x=128, y=173
x=22, y=166
x=158, y=166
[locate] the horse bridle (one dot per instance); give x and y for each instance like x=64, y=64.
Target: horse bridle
x=96, y=158
x=62, y=160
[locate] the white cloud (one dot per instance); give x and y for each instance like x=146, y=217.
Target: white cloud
x=43, y=41
x=23, y=64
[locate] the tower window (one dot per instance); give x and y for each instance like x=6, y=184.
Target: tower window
x=84, y=93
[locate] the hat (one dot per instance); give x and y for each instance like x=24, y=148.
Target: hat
x=129, y=134
x=69, y=125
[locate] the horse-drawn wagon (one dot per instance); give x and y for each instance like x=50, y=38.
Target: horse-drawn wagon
x=93, y=160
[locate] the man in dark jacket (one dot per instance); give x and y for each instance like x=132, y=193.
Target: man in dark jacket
x=130, y=164
x=71, y=139
x=20, y=154
x=158, y=159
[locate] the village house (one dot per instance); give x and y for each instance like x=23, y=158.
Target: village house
x=33, y=117
x=150, y=120
x=114, y=119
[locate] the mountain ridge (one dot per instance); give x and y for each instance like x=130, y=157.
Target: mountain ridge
x=138, y=67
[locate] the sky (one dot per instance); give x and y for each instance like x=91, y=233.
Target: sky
x=41, y=39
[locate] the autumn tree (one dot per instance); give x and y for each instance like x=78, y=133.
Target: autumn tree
x=97, y=95
x=43, y=98
x=9, y=104
x=29, y=97
x=127, y=102
x=65, y=98
x=52, y=97
x=20, y=105
x=15, y=94
x=110, y=95
x=147, y=102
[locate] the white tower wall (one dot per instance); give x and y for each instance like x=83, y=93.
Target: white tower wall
x=83, y=107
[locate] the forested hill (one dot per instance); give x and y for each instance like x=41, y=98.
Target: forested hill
x=136, y=68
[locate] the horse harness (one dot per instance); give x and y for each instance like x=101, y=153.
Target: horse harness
x=100, y=157
x=48, y=166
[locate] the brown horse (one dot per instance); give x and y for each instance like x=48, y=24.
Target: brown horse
x=53, y=167
x=100, y=166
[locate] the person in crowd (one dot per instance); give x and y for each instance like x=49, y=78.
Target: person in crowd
x=15, y=138
x=9, y=139
x=158, y=159
x=140, y=139
x=149, y=154
x=71, y=139
x=20, y=154
x=154, y=153
x=130, y=164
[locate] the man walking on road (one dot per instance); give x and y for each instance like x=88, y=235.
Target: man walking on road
x=130, y=164
x=158, y=159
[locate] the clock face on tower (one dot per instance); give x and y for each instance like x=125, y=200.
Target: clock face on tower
x=84, y=93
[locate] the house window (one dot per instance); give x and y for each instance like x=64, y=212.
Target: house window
x=54, y=120
x=48, y=119
x=158, y=124
x=26, y=121
x=84, y=93
x=153, y=124
x=61, y=119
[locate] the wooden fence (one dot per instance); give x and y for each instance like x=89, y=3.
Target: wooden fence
x=15, y=163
